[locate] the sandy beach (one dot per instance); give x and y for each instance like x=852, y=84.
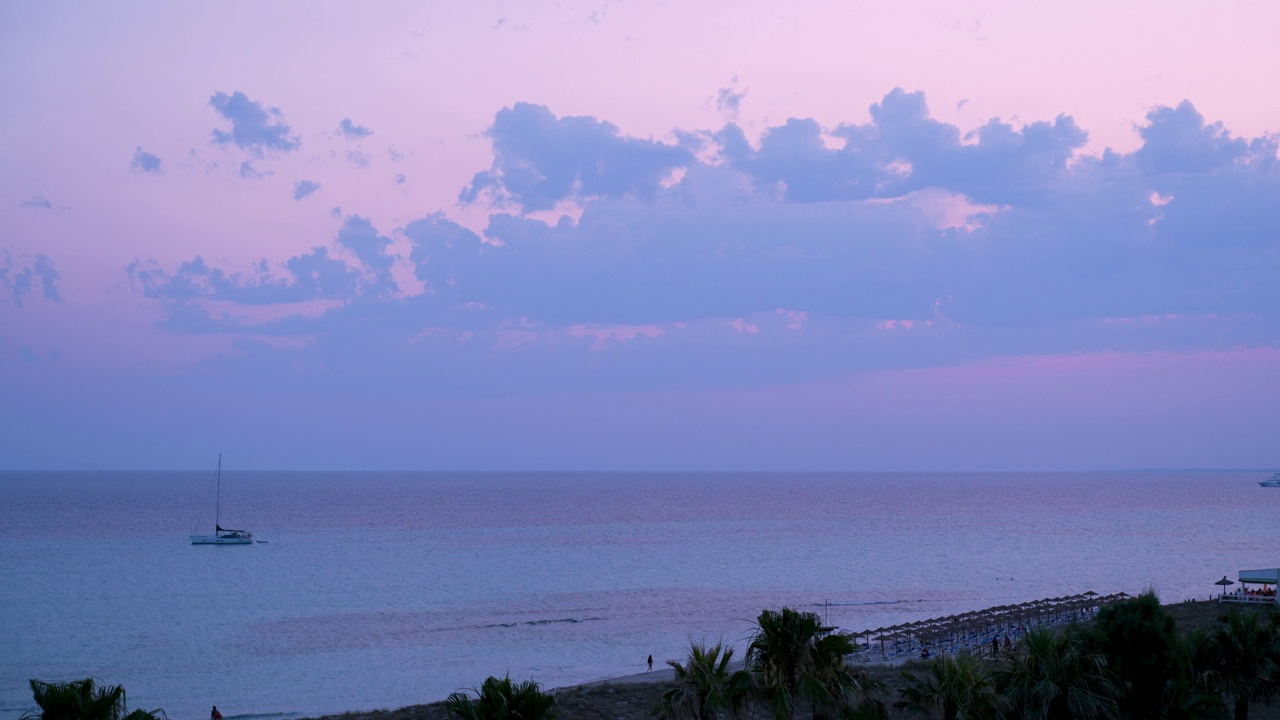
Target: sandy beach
x=632, y=696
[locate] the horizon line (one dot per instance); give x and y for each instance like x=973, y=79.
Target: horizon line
x=542, y=471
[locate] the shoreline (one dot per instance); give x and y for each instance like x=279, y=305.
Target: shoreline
x=633, y=695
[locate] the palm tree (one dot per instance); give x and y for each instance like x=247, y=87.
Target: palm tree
x=503, y=700
x=860, y=696
x=1239, y=654
x=1197, y=694
x=959, y=688
x=795, y=661
x=1143, y=647
x=705, y=687
x=83, y=700
x=1057, y=679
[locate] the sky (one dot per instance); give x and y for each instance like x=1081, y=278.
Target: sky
x=605, y=235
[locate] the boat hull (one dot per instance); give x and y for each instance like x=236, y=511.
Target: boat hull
x=211, y=540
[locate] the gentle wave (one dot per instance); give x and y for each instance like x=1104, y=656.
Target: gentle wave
x=555, y=621
x=861, y=603
x=857, y=603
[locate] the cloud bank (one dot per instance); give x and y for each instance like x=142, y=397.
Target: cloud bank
x=813, y=253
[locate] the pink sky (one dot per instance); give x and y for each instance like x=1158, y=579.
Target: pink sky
x=949, y=288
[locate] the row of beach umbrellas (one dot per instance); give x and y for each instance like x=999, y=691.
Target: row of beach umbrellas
x=956, y=631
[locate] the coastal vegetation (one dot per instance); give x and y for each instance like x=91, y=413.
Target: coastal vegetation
x=795, y=663
x=1056, y=675
x=953, y=687
x=1133, y=659
x=83, y=700
x=705, y=686
x=501, y=699
x=1130, y=660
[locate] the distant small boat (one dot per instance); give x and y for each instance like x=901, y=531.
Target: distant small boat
x=1273, y=481
x=221, y=535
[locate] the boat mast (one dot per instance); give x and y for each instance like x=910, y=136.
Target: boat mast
x=217, y=508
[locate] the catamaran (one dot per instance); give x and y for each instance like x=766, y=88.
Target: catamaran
x=221, y=535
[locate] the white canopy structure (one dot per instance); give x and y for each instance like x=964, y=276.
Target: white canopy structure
x=1264, y=582
x=1270, y=576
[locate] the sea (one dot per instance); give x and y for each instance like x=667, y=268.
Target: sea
x=371, y=590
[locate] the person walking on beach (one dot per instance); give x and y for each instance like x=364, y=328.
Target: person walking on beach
x=214, y=714
x=650, y=663
x=995, y=645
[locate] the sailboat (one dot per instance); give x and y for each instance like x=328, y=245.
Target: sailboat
x=221, y=535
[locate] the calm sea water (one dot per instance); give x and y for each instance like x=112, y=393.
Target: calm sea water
x=386, y=589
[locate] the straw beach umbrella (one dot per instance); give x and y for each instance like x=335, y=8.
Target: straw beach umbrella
x=1224, y=582
x=882, y=637
x=867, y=634
x=904, y=632
x=880, y=632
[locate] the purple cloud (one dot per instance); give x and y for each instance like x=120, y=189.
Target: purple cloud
x=48, y=274
x=359, y=236
x=303, y=188
x=315, y=275
x=894, y=243
x=904, y=149
x=38, y=201
x=352, y=131
x=145, y=162
x=729, y=102
x=310, y=276
x=17, y=279
x=247, y=171
x=540, y=160
x=254, y=128
x=1177, y=140
x=358, y=158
